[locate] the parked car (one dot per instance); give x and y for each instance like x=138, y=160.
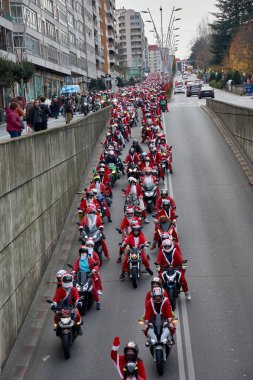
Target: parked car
x=179, y=89
x=193, y=89
x=206, y=92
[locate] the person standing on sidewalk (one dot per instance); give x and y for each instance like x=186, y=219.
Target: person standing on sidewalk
x=35, y=116
x=45, y=112
x=13, y=121
x=68, y=111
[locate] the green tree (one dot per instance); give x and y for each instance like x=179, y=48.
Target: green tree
x=93, y=85
x=237, y=79
x=101, y=84
x=131, y=81
x=6, y=73
x=231, y=14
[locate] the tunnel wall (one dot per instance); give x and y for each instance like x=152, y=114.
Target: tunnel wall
x=40, y=175
x=239, y=121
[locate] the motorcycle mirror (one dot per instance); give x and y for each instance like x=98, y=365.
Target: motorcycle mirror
x=79, y=192
x=119, y=231
x=79, y=224
x=171, y=146
x=148, y=244
x=49, y=301
x=140, y=321
x=185, y=261
x=150, y=325
x=101, y=227
x=70, y=266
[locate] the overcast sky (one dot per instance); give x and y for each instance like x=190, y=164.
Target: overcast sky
x=191, y=14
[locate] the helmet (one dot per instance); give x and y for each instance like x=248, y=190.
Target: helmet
x=165, y=203
x=146, y=158
x=129, y=211
x=108, y=135
x=111, y=153
x=135, y=141
x=137, y=211
x=136, y=227
x=132, y=179
x=131, y=150
x=133, y=347
x=67, y=281
x=164, y=193
x=83, y=249
x=168, y=245
x=90, y=242
x=165, y=235
x=157, y=294
x=143, y=156
x=96, y=178
x=60, y=273
x=95, y=192
x=101, y=170
x=156, y=282
x=89, y=194
x=148, y=171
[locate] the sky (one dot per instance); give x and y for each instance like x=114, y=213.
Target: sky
x=191, y=15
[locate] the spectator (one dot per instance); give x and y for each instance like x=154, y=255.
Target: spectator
x=68, y=111
x=55, y=108
x=35, y=116
x=45, y=112
x=13, y=120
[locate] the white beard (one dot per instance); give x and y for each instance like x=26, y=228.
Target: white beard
x=98, y=187
x=90, y=251
x=133, y=189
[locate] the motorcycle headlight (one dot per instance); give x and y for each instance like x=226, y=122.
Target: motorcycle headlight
x=149, y=193
x=134, y=256
x=85, y=287
x=65, y=321
x=78, y=287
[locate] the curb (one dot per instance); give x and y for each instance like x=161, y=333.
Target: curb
x=243, y=160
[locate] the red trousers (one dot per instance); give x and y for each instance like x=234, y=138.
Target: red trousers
x=105, y=248
x=143, y=259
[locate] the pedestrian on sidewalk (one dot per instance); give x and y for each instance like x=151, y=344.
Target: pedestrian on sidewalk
x=68, y=111
x=55, y=108
x=13, y=121
x=35, y=116
x=46, y=113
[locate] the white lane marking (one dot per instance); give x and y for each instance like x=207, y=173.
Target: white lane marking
x=179, y=344
x=187, y=336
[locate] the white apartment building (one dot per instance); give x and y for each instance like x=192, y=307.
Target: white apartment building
x=132, y=43
x=154, y=59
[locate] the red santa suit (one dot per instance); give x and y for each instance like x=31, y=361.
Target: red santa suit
x=120, y=361
x=132, y=158
x=92, y=265
x=101, y=189
x=165, y=309
x=135, y=241
x=149, y=297
x=98, y=222
x=87, y=202
x=159, y=200
x=62, y=295
x=173, y=260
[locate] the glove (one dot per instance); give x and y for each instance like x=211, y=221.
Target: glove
x=53, y=306
x=116, y=341
x=79, y=304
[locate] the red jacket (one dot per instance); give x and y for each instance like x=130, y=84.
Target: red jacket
x=84, y=204
x=102, y=188
x=170, y=214
x=165, y=310
x=91, y=262
x=98, y=221
x=158, y=204
x=61, y=294
x=138, y=190
x=132, y=158
x=130, y=240
x=13, y=121
x=120, y=362
x=125, y=224
x=176, y=259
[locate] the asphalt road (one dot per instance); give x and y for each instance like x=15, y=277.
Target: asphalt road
x=214, y=333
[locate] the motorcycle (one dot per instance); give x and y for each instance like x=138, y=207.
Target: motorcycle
x=97, y=105
x=159, y=341
x=150, y=194
x=114, y=173
x=85, y=108
x=134, y=261
x=132, y=171
x=83, y=283
x=131, y=200
x=91, y=231
x=171, y=282
x=66, y=326
x=165, y=227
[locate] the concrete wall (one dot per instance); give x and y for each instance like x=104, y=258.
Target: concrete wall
x=40, y=175
x=239, y=121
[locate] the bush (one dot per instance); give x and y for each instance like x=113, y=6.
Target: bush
x=215, y=84
x=237, y=78
x=212, y=76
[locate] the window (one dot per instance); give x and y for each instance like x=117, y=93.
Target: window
x=50, y=30
x=131, y=17
x=52, y=54
x=17, y=14
x=70, y=19
x=79, y=26
x=73, y=59
x=63, y=2
x=48, y=5
x=63, y=38
x=18, y=40
x=65, y=59
x=79, y=8
x=30, y=18
x=72, y=39
x=30, y=43
x=63, y=17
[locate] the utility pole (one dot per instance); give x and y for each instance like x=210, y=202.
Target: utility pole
x=162, y=50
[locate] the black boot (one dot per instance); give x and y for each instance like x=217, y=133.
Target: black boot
x=79, y=330
x=150, y=271
x=109, y=219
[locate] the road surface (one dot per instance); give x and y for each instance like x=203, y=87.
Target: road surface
x=214, y=333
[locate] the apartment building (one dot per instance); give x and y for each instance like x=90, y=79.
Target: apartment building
x=132, y=43
x=50, y=34
x=154, y=58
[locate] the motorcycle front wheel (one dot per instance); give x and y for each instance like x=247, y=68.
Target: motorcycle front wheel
x=159, y=361
x=66, y=344
x=135, y=277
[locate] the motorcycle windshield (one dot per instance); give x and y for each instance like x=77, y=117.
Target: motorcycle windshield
x=148, y=184
x=92, y=222
x=111, y=165
x=82, y=278
x=165, y=226
x=158, y=325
